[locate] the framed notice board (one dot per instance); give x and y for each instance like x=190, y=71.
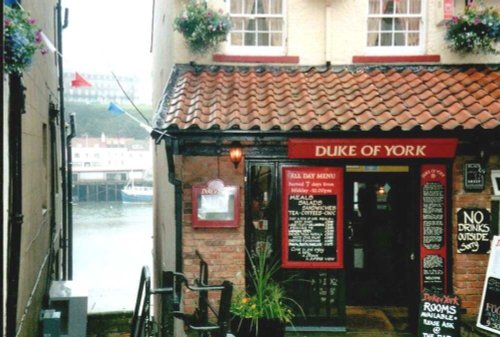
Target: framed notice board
x=473, y=177
x=312, y=213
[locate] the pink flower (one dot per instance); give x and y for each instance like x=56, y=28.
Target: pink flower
x=38, y=36
x=477, y=20
x=44, y=51
x=31, y=21
x=454, y=19
x=7, y=22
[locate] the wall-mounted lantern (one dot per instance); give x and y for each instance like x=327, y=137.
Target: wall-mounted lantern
x=235, y=153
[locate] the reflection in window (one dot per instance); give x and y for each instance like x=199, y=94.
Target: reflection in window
x=394, y=23
x=257, y=23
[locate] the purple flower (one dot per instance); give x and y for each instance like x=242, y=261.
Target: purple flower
x=38, y=36
x=31, y=21
x=7, y=22
x=477, y=20
x=44, y=51
x=454, y=19
x=209, y=14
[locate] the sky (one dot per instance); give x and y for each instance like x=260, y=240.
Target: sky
x=109, y=35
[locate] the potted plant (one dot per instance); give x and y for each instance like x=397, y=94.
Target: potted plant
x=21, y=40
x=476, y=31
x=266, y=310
x=202, y=27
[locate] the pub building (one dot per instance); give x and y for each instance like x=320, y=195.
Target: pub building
x=369, y=184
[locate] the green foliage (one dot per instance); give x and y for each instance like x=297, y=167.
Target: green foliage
x=21, y=40
x=95, y=119
x=475, y=31
x=202, y=28
x=268, y=299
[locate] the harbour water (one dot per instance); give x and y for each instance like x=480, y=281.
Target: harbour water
x=112, y=241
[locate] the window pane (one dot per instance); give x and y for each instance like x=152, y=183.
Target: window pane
x=261, y=9
x=236, y=6
x=275, y=25
x=388, y=7
x=276, y=6
x=276, y=39
x=387, y=24
x=399, y=39
x=414, y=24
x=249, y=7
x=373, y=25
x=263, y=39
x=401, y=7
x=374, y=7
x=386, y=39
x=237, y=24
x=236, y=39
x=372, y=39
x=415, y=6
x=413, y=39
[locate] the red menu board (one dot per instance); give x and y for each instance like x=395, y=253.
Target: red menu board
x=433, y=229
x=312, y=206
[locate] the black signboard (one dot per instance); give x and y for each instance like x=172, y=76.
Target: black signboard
x=474, y=230
x=490, y=311
x=439, y=316
x=311, y=228
x=433, y=270
x=433, y=214
x=473, y=177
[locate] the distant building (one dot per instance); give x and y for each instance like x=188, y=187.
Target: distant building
x=104, y=88
x=103, y=166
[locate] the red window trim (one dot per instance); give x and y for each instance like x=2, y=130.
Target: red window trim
x=255, y=59
x=396, y=59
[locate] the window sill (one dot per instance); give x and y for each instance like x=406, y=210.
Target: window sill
x=396, y=59
x=255, y=59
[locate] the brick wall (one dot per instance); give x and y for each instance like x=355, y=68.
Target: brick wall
x=469, y=269
x=222, y=248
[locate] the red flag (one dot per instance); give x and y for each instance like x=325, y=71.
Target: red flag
x=79, y=81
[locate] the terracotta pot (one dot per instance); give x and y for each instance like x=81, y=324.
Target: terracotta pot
x=243, y=327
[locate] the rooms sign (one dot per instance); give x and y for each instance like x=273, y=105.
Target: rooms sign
x=372, y=148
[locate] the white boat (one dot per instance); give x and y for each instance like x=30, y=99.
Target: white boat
x=137, y=194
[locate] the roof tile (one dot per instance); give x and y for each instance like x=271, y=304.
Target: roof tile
x=385, y=98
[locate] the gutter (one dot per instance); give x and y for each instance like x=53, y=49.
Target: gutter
x=70, y=194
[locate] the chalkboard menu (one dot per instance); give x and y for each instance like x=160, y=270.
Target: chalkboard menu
x=474, y=230
x=439, y=316
x=433, y=273
x=433, y=214
x=312, y=217
x=433, y=228
x=490, y=312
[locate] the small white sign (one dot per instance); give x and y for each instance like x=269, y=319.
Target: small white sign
x=489, y=310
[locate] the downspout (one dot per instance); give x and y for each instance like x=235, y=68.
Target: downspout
x=16, y=109
x=62, y=126
x=70, y=194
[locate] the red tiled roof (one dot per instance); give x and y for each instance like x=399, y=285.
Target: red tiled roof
x=387, y=98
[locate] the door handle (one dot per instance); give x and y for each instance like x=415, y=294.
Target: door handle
x=412, y=256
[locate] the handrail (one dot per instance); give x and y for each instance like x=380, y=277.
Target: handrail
x=141, y=317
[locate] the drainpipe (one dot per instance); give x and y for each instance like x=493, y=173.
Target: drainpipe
x=70, y=194
x=16, y=109
x=62, y=126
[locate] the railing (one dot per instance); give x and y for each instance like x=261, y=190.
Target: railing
x=141, y=320
x=172, y=283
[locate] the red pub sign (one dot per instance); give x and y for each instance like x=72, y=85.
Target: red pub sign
x=312, y=217
x=360, y=148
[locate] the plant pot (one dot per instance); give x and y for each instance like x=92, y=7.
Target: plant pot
x=246, y=327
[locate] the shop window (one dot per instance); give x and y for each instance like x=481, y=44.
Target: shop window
x=258, y=27
x=395, y=27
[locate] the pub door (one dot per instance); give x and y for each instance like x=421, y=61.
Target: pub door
x=380, y=240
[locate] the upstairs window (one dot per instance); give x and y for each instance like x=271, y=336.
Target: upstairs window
x=258, y=26
x=395, y=26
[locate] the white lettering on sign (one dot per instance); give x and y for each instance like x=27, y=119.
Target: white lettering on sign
x=343, y=151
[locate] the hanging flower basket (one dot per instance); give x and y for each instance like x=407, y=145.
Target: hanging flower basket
x=21, y=40
x=476, y=31
x=202, y=28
